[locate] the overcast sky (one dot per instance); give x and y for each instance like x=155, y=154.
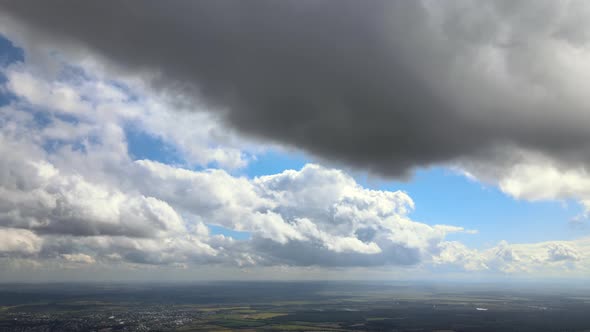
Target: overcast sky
x=183, y=140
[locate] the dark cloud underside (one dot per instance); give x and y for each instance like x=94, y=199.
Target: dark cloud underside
x=380, y=85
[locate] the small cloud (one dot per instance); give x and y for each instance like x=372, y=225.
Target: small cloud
x=562, y=252
x=79, y=258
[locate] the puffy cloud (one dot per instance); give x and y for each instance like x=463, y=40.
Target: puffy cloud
x=562, y=252
x=180, y=249
x=313, y=216
x=214, y=197
x=57, y=96
x=79, y=258
x=19, y=242
x=63, y=192
x=42, y=199
x=456, y=253
x=544, y=257
x=93, y=102
x=533, y=176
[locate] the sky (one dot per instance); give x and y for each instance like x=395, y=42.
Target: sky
x=294, y=140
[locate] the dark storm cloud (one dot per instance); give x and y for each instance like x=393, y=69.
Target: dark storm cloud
x=380, y=85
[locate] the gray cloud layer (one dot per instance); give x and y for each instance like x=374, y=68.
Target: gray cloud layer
x=380, y=85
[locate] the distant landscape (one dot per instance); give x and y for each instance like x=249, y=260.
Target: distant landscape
x=290, y=306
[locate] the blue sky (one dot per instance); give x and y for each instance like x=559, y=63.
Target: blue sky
x=439, y=192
